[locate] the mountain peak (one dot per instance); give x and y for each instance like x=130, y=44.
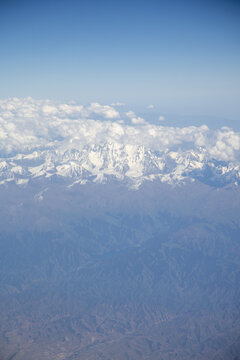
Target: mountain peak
x=131, y=163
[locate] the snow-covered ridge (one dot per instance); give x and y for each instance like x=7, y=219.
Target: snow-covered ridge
x=130, y=163
x=44, y=139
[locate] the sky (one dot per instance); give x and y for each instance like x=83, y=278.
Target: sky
x=180, y=56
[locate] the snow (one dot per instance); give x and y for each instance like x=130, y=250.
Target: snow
x=124, y=162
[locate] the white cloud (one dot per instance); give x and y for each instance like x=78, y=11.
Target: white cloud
x=27, y=125
x=130, y=114
x=150, y=107
x=105, y=110
x=117, y=104
x=161, y=118
x=136, y=120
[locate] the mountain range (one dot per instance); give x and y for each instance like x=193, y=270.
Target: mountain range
x=119, y=237
x=105, y=271
x=132, y=164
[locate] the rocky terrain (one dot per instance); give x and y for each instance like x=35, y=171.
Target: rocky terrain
x=100, y=271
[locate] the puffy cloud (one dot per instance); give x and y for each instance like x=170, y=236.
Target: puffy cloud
x=136, y=120
x=49, y=109
x=27, y=125
x=150, y=107
x=226, y=144
x=130, y=114
x=117, y=104
x=107, y=111
x=161, y=118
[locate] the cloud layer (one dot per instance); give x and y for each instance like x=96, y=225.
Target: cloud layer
x=27, y=125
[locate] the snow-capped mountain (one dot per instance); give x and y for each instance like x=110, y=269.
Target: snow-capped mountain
x=97, y=143
x=129, y=163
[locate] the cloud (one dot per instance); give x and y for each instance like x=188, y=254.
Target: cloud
x=150, y=107
x=161, y=118
x=136, y=120
x=107, y=111
x=27, y=125
x=117, y=104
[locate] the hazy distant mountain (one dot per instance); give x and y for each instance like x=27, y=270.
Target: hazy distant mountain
x=105, y=272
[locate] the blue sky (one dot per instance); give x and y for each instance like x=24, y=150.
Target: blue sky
x=182, y=56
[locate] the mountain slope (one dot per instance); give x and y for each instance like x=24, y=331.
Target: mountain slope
x=129, y=163
x=101, y=271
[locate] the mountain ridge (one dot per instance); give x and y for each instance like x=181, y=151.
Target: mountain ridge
x=133, y=164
